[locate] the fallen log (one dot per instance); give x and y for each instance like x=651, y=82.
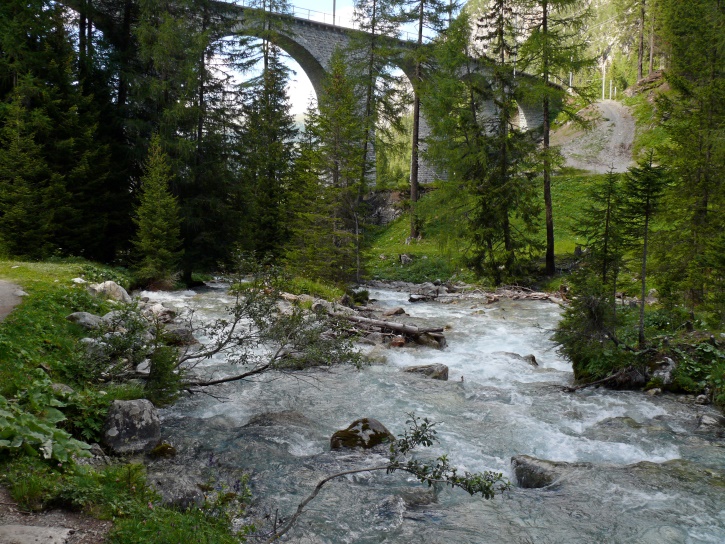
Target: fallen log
x=401, y=328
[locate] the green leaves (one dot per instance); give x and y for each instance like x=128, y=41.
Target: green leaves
x=29, y=424
x=422, y=432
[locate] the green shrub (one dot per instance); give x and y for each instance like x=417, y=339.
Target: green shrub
x=29, y=424
x=162, y=385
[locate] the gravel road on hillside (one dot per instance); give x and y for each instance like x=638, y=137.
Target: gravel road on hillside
x=607, y=145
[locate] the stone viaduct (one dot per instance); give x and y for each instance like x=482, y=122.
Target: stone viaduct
x=311, y=44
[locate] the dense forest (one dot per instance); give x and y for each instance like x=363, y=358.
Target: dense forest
x=148, y=138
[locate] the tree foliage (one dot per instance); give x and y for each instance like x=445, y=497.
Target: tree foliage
x=158, y=237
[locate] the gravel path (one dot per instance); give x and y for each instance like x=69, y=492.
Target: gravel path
x=608, y=145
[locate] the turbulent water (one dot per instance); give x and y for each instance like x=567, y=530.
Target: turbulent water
x=644, y=472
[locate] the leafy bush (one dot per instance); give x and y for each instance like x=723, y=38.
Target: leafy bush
x=28, y=424
x=98, y=274
x=162, y=385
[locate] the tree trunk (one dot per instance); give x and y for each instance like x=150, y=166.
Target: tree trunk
x=640, y=55
x=416, y=131
x=550, y=259
x=644, y=277
x=652, y=44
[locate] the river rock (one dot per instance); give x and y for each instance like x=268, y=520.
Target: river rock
x=397, y=342
x=532, y=473
x=86, y=320
x=283, y=418
x=363, y=433
x=530, y=358
x=29, y=534
x=159, y=312
x=664, y=371
x=394, y=311
x=131, y=426
x=431, y=341
x=178, y=486
x=435, y=372
x=711, y=424
x=110, y=289
x=180, y=336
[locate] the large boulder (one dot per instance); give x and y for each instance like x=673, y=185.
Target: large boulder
x=664, y=371
x=363, y=433
x=534, y=473
x=110, y=289
x=131, y=426
x=435, y=371
x=178, y=486
x=159, y=312
x=86, y=320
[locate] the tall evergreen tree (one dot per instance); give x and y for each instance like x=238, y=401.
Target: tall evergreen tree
x=266, y=154
x=476, y=143
x=371, y=53
x=555, y=47
x=327, y=213
x=694, y=118
x=188, y=101
x=432, y=16
x=158, y=236
x=643, y=189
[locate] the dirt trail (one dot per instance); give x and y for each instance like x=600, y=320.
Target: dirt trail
x=607, y=146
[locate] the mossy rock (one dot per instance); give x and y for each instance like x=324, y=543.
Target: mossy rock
x=363, y=433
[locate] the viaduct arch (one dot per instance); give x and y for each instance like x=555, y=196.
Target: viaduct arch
x=310, y=43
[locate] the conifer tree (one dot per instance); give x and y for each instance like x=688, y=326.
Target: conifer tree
x=266, y=154
x=694, y=119
x=327, y=216
x=431, y=16
x=158, y=240
x=555, y=47
x=477, y=145
x=25, y=228
x=643, y=189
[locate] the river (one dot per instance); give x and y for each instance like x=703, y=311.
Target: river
x=643, y=470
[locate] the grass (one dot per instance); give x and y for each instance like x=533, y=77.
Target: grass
x=37, y=339
x=650, y=134
x=119, y=493
x=441, y=253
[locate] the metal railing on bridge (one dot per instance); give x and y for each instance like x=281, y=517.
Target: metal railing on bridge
x=321, y=17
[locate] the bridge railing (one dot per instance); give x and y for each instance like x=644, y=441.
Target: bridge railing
x=321, y=17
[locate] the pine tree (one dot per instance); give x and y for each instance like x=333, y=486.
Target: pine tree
x=555, y=47
x=370, y=55
x=643, y=189
x=693, y=116
x=482, y=152
x=432, y=16
x=158, y=238
x=327, y=213
x=266, y=154
x=187, y=92
x=25, y=228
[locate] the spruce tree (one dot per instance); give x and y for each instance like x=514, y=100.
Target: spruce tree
x=643, y=189
x=266, y=154
x=327, y=213
x=476, y=143
x=158, y=240
x=554, y=48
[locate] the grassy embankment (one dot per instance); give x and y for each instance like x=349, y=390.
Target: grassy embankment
x=442, y=251
x=39, y=347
